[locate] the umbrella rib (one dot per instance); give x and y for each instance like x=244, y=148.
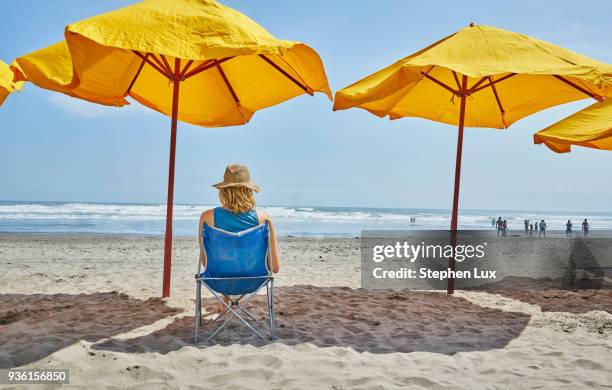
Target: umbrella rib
x=457, y=81
x=231, y=89
x=163, y=57
x=306, y=89
x=136, y=75
x=165, y=66
x=186, y=68
x=205, y=66
x=440, y=83
x=482, y=80
x=154, y=66
x=494, y=82
x=501, y=108
x=579, y=88
x=293, y=69
x=199, y=67
x=227, y=83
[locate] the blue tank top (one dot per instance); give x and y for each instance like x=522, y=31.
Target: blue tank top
x=227, y=220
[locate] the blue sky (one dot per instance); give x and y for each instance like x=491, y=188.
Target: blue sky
x=57, y=148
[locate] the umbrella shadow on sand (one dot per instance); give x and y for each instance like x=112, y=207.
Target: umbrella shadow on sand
x=34, y=326
x=585, y=285
x=375, y=321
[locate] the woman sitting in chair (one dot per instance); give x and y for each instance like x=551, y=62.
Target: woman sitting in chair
x=237, y=211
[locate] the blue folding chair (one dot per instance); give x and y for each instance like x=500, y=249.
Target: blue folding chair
x=237, y=266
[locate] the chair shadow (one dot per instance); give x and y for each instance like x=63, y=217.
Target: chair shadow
x=35, y=326
x=376, y=321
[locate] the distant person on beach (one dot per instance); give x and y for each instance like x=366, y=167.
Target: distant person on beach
x=536, y=226
x=530, y=230
x=493, y=222
x=504, y=228
x=526, y=225
x=585, y=227
x=542, y=229
x=568, y=228
x=500, y=226
x=237, y=211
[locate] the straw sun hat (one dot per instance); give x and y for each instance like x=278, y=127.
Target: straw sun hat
x=237, y=175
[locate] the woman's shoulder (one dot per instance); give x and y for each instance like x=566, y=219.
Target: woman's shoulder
x=208, y=216
x=263, y=217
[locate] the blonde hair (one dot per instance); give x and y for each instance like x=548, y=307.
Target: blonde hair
x=237, y=199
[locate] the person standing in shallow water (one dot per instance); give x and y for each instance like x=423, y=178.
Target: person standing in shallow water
x=568, y=228
x=530, y=230
x=542, y=229
x=500, y=226
x=504, y=228
x=585, y=227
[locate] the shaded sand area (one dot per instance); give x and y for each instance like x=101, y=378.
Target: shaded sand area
x=84, y=303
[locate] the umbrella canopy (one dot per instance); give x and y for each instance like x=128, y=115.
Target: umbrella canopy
x=590, y=127
x=481, y=76
x=509, y=76
x=194, y=60
x=6, y=81
x=228, y=65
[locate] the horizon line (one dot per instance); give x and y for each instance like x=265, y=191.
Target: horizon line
x=300, y=206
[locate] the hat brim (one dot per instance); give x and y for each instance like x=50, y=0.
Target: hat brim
x=250, y=185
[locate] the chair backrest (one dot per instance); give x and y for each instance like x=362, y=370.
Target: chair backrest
x=236, y=255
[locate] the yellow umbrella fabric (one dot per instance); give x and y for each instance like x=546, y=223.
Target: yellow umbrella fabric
x=590, y=127
x=509, y=76
x=6, y=81
x=247, y=68
x=51, y=68
x=481, y=76
x=197, y=61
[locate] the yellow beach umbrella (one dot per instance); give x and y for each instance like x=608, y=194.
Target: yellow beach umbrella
x=194, y=60
x=6, y=81
x=480, y=76
x=590, y=127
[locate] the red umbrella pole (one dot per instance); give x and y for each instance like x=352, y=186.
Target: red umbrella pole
x=170, y=202
x=451, y=262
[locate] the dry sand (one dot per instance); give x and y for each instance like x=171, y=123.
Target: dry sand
x=84, y=303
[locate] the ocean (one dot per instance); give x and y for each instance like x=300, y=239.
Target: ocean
x=149, y=219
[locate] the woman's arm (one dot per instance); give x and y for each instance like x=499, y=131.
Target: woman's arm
x=207, y=217
x=263, y=217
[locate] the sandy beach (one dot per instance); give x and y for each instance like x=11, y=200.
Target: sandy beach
x=85, y=303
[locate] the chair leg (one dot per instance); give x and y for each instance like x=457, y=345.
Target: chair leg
x=271, y=310
x=233, y=310
x=234, y=313
x=229, y=317
x=242, y=309
x=200, y=307
x=198, y=310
